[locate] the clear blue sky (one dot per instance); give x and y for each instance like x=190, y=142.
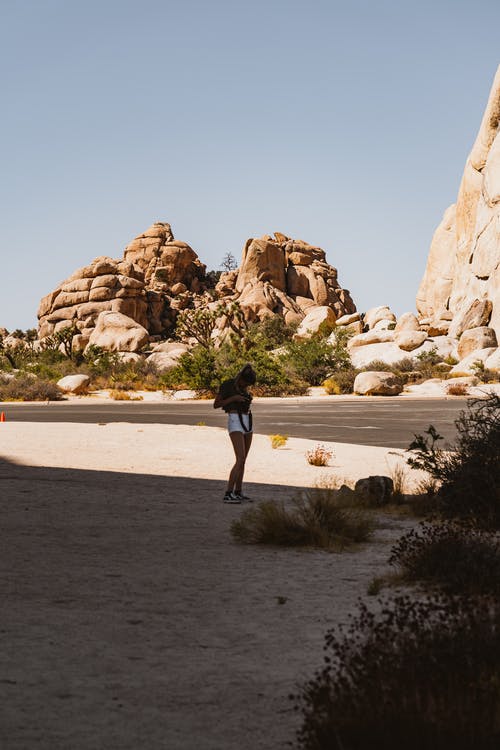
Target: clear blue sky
x=346, y=124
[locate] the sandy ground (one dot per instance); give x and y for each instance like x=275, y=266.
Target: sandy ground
x=131, y=619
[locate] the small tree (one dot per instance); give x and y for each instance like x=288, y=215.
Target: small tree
x=200, y=323
x=229, y=262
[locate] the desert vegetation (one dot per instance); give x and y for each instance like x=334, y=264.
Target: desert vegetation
x=285, y=365
x=313, y=519
x=419, y=673
x=422, y=669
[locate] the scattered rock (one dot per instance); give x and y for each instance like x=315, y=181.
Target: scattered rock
x=374, y=491
x=373, y=383
x=77, y=383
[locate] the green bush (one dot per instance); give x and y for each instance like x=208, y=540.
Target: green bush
x=28, y=388
x=315, y=359
x=421, y=674
x=453, y=556
x=314, y=520
x=468, y=475
x=341, y=381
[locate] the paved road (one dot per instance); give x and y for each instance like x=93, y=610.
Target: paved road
x=386, y=422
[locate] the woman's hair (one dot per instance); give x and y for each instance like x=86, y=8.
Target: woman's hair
x=247, y=373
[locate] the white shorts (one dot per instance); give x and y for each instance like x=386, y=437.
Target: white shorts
x=234, y=424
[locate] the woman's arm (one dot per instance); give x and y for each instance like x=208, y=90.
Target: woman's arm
x=220, y=402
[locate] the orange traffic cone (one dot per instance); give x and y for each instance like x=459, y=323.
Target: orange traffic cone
x=2, y=417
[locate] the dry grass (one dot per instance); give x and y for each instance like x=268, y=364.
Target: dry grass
x=315, y=519
x=319, y=456
x=457, y=389
x=117, y=395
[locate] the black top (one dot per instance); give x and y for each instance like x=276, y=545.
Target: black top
x=227, y=389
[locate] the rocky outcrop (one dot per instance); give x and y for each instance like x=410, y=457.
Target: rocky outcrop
x=461, y=284
x=160, y=276
x=279, y=275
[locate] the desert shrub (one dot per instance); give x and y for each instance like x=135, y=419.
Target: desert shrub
x=484, y=374
x=118, y=395
x=314, y=359
x=378, y=365
x=469, y=475
x=421, y=674
x=319, y=455
x=331, y=387
x=271, y=332
x=454, y=556
x=278, y=441
x=196, y=369
x=99, y=361
x=398, y=476
x=423, y=502
x=456, y=389
x=314, y=520
x=343, y=380
x=29, y=388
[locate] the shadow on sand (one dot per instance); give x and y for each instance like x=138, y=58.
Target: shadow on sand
x=132, y=620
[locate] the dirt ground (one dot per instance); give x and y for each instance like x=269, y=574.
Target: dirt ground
x=130, y=617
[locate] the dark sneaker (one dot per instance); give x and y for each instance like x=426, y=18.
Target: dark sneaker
x=232, y=497
x=243, y=498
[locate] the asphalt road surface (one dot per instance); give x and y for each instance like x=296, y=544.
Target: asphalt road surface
x=390, y=422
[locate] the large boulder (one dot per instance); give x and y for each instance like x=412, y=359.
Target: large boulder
x=407, y=322
x=371, y=337
x=263, y=260
x=410, y=340
x=463, y=270
x=118, y=333
x=376, y=314
x=77, y=383
x=312, y=322
x=390, y=353
x=476, y=338
x=467, y=364
x=373, y=383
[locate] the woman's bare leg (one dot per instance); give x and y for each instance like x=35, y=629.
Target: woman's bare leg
x=248, y=442
x=240, y=451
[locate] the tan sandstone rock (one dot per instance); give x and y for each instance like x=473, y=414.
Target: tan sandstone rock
x=407, y=322
x=371, y=337
x=77, y=383
x=118, y=333
x=375, y=383
x=476, y=338
x=463, y=268
x=313, y=320
x=410, y=340
x=466, y=365
x=376, y=314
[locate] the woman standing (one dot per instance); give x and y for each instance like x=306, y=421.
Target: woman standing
x=235, y=399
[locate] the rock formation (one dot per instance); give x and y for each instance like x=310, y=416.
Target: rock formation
x=159, y=276
x=460, y=289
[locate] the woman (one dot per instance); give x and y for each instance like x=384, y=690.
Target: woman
x=235, y=399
